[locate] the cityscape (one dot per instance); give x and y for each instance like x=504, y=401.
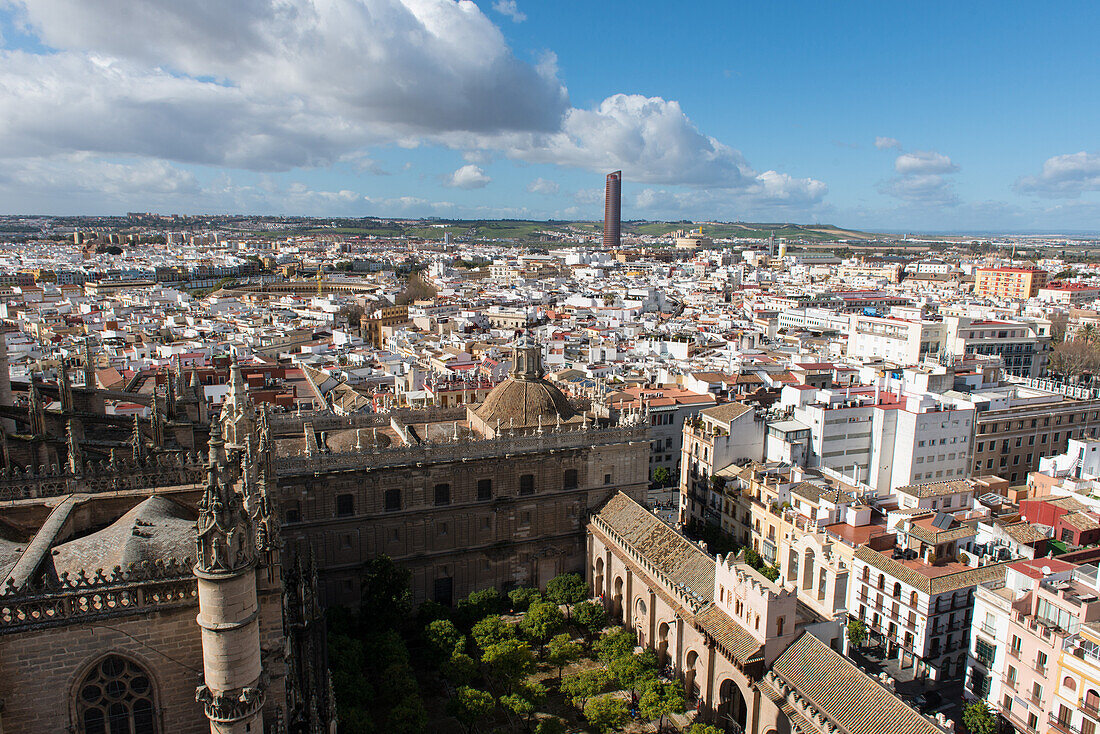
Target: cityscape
x=291, y=445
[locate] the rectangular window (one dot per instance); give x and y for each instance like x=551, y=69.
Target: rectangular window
x=443, y=494
x=392, y=500
x=484, y=489
x=527, y=484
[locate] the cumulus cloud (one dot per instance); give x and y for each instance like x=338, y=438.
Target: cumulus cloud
x=276, y=85
x=923, y=162
x=1064, y=176
x=543, y=186
x=508, y=7
x=266, y=84
x=922, y=179
x=883, y=143
x=468, y=177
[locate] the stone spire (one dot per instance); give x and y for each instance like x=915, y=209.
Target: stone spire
x=234, y=683
x=158, y=422
x=238, y=414
x=76, y=459
x=309, y=687
x=89, y=366
x=137, y=443
x=36, y=412
x=5, y=383
x=64, y=389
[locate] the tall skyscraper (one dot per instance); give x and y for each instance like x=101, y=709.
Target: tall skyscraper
x=612, y=209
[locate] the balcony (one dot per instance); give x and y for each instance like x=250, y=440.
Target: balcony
x=988, y=630
x=1063, y=726
x=1092, y=710
x=1039, y=668
x=1014, y=652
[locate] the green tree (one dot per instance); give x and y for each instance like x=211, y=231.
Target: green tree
x=607, y=713
x=634, y=671
x=523, y=597
x=660, y=700
x=444, y=639
x=857, y=632
x=491, y=630
x=771, y=573
x=408, y=716
x=550, y=725
x=704, y=729
x=662, y=476
x=567, y=589
x=480, y=604
x=590, y=616
x=584, y=685
x=459, y=669
x=469, y=705
x=385, y=598
x=541, y=621
x=525, y=700
x=561, y=650
x=753, y=559
x=978, y=719
x=509, y=662
x=615, y=644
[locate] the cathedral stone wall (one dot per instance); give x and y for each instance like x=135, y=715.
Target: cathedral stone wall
x=641, y=602
x=42, y=670
x=524, y=527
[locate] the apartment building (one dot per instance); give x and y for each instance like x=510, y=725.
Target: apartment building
x=713, y=440
x=1021, y=283
x=1068, y=294
x=1024, y=346
x=1022, y=624
x=667, y=408
x=901, y=341
x=879, y=438
x=1075, y=708
x=914, y=598
x=1014, y=432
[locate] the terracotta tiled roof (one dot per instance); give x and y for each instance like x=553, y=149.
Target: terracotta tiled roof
x=730, y=636
x=1080, y=521
x=936, y=489
x=671, y=553
x=844, y=694
x=1024, y=532
x=727, y=412
x=938, y=584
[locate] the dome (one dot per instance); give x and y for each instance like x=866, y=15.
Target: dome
x=519, y=402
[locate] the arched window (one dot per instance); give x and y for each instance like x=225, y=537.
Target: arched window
x=345, y=505
x=913, y=599
x=116, y=697
x=866, y=574
x=1070, y=683
x=897, y=590
x=881, y=581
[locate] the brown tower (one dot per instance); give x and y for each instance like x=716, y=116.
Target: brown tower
x=612, y=209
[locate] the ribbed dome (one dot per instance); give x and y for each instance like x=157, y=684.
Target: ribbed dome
x=520, y=402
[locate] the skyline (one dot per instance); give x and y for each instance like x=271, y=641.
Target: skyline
x=925, y=118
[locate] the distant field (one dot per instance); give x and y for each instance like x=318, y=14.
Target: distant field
x=532, y=231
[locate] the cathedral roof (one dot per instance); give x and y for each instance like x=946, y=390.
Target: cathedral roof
x=521, y=402
x=156, y=529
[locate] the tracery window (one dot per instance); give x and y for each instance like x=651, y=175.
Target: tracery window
x=116, y=697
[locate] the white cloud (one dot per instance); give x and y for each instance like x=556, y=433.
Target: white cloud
x=1064, y=176
x=295, y=82
x=543, y=186
x=275, y=85
x=883, y=143
x=508, y=7
x=922, y=179
x=468, y=177
x=923, y=162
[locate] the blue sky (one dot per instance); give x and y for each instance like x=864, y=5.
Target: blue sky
x=890, y=116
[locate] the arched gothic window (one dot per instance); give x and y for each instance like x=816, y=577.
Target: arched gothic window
x=116, y=697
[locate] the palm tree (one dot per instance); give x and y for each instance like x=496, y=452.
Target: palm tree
x=1087, y=333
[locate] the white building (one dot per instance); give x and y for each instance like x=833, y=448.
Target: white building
x=902, y=341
